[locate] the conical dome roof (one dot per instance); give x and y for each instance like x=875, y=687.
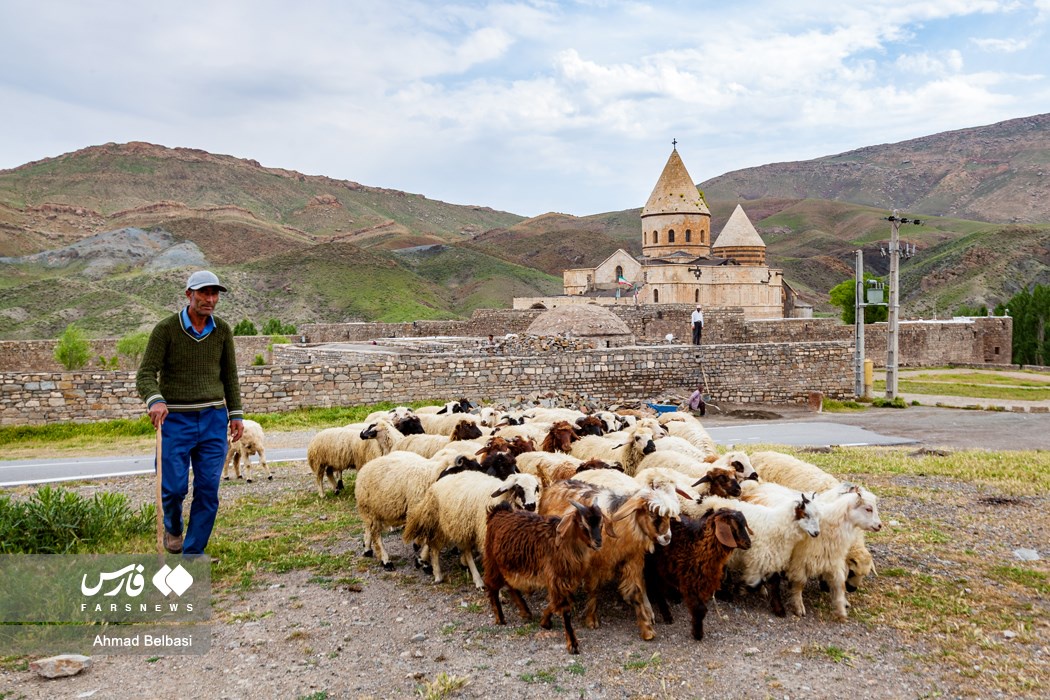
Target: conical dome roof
x=675, y=191
x=739, y=232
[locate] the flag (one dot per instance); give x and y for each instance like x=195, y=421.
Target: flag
x=622, y=282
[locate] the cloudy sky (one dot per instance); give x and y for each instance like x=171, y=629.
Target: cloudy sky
x=524, y=105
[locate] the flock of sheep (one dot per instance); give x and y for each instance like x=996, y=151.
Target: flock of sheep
x=556, y=499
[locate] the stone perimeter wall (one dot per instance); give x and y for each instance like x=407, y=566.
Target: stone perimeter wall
x=764, y=373
x=921, y=343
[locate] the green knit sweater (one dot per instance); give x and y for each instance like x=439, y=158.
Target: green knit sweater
x=187, y=373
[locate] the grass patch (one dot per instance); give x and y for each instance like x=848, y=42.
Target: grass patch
x=1012, y=473
x=1029, y=578
x=974, y=391
x=546, y=676
x=633, y=663
x=442, y=686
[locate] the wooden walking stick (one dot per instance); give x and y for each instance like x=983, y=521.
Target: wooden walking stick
x=160, y=504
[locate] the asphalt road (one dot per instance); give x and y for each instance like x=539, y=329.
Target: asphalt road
x=39, y=471
x=942, y=428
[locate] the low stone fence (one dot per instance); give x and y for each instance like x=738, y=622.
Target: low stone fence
x=768, y=373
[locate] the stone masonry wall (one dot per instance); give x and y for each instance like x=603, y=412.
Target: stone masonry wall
x=39, y=355
x=766, y=373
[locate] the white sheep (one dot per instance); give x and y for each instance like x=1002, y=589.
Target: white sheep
x=776, y=529
x=543, y=464
x=330, y=453
x=691, y=431
x=394, y=414
x=629, y=453
x=610, y=479
x=454, y=511
x=387, y=487
x=843, y=511
x=682, y=446
x=553, y=415
x=795, y=473
x=444, y=424
x=252, y=442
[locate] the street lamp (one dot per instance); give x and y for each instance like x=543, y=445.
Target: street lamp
x=894, y=301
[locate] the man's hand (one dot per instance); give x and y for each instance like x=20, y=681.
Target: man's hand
x=236, y=430
x=157, y=413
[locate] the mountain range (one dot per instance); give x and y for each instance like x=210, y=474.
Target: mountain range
x=102, y=235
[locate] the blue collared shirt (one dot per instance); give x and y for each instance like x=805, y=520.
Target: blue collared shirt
x=188, y=326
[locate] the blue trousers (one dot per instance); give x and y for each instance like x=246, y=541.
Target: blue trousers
x=196, y=438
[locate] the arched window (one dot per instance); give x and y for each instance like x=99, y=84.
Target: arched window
x=688, y=235
x=670, y=236
x=619, y=272
x=696, y=296
x=656, y=236
x=656, y=296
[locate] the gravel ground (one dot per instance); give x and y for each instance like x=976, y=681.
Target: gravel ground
x=386, y=634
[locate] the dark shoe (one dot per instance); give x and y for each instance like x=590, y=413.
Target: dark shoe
x=172, y=543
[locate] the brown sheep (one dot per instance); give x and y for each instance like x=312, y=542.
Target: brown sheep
x=694, y=562
x=524, y=551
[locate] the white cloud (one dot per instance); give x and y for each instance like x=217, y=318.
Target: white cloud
x=526, y=105
x=1012, y=45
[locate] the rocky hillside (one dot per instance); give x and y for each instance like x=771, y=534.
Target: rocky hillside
x=998, y=173
x=104, y=236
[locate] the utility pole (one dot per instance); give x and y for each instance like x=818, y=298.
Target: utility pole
x=894, y=302
x=858, y=325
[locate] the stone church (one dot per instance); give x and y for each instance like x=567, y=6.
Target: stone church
x=680, y=264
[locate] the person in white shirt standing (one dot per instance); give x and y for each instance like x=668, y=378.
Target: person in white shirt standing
x=698, y=324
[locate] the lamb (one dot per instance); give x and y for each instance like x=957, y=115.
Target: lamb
x=388, y=486
x=843, y=512
x=629, y=454
x=796, y=474
x=694, y=561
x=252, y=442
x=776, y=530
x=635, y=526
x=455, y=509
x=526, y=550
x=330, y=452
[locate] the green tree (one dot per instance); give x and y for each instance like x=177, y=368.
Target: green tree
x=1030, y=311
x=275, y=327
x=133, y=346
x=843, y=294
x=245, y=327
x=73, y=350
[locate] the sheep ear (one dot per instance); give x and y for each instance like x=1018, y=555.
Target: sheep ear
x=724, y=533
x=705, y=479
x=500, y=491
x=683, y=494
x=752, y=477
x=482, y=450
